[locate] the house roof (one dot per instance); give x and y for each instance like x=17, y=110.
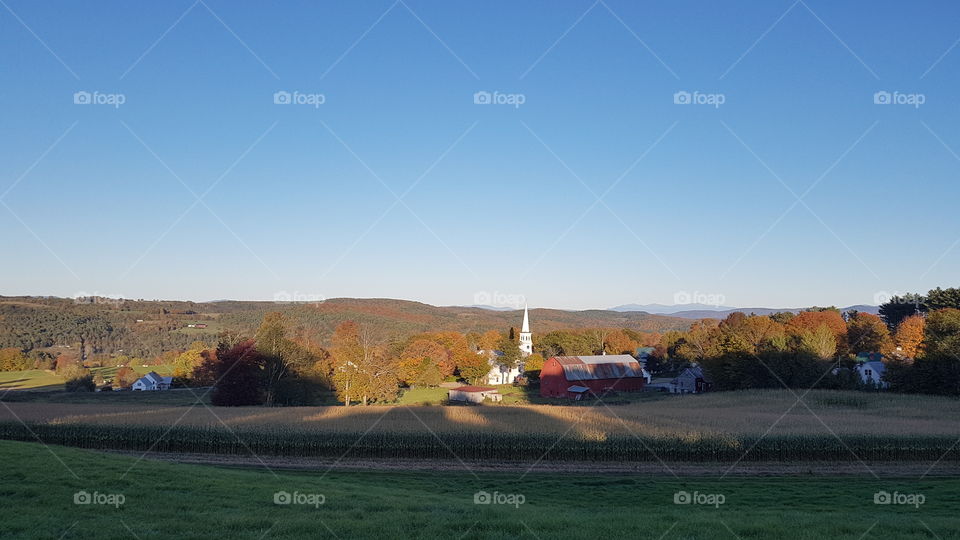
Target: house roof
x=474, y=389
x=154, y=379
x=873, y=364
x=693, y=371
x=611, y=366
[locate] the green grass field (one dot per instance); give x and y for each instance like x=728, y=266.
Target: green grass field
x=38, y=379
x=162, y=500
x=32, y=379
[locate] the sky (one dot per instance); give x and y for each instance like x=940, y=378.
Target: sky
x=571, y=154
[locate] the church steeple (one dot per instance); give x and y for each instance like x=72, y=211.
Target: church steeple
x=526, y=338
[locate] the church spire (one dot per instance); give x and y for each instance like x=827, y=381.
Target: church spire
x=526, y=338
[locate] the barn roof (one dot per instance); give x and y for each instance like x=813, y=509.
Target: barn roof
x=474, y=389
x=611, y=366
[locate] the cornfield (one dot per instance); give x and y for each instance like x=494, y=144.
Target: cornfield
x=486, y=445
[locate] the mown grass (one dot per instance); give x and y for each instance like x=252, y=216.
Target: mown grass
x=164, y=500
x=29, y=379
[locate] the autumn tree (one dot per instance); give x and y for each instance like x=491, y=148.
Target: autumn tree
x=764, y=333
x=820, y=342
x=285, y=362
x=867, y=333
x=12, y=359
x=805, y=326
x=937, y=370
x=187, y=361
x=421, y=354
x=909, y=337
x=125, y=377
x=563, y=343
x=474, y=367
x=349, y=356
x=533, y=364
x=702, y=341
x=238, y=376
x=361, y=369
x=488, y=340
x=618, y=342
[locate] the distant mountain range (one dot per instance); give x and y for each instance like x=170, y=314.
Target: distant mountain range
x=704, y=311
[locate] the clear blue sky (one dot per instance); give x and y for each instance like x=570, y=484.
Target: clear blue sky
x=303, y=199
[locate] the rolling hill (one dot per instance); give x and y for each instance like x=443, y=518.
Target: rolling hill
x=148, y=327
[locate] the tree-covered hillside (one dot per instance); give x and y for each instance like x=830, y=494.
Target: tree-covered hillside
x=147, y=328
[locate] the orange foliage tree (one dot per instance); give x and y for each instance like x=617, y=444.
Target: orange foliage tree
x=909, y=336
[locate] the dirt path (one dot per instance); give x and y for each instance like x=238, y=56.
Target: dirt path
x=880, y=469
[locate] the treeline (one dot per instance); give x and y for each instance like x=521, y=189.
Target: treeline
x=918, y=338
x=281, y=365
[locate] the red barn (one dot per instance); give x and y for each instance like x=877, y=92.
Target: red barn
x=571, y=376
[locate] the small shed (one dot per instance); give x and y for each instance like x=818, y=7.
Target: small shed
x=691, y=380
x=578, y=391
x=474, y=394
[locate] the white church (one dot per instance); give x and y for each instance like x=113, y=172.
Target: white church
x=501, y=374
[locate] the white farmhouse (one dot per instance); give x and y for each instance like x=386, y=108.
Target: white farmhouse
x=871, y=373
x=152, y=381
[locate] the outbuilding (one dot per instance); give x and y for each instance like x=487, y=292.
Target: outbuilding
x=572, y=376
x=474, y=394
